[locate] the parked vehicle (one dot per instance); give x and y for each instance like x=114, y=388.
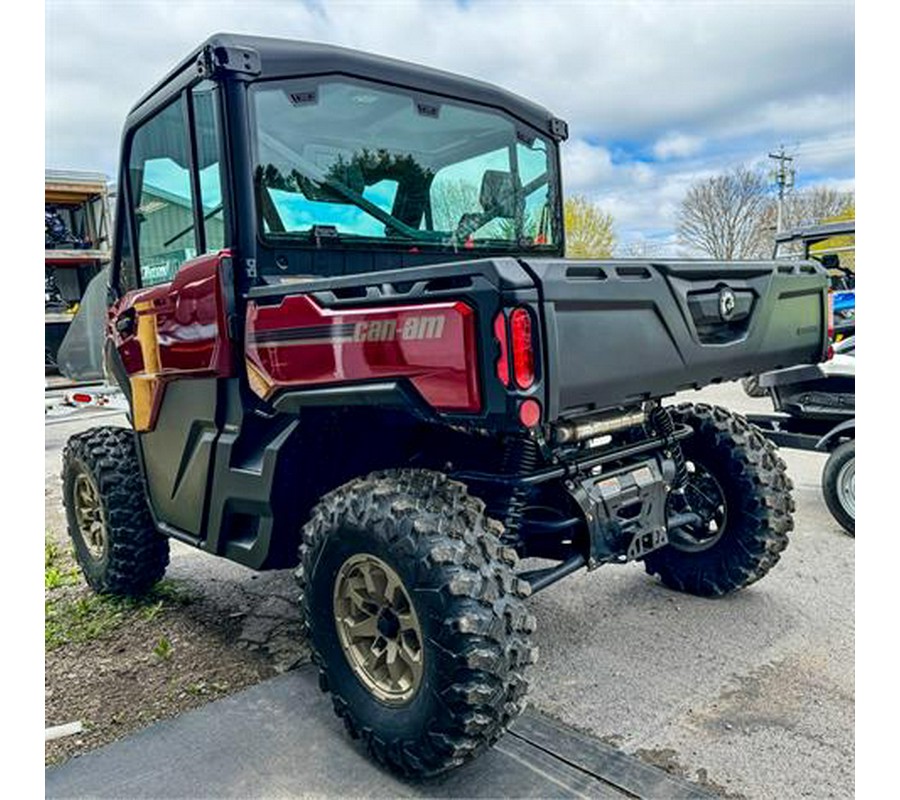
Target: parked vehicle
x=351, y=344
x=843, y=303
x=816, y=242
x=815, y=410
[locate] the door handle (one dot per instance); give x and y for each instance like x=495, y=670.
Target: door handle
x=126, y=324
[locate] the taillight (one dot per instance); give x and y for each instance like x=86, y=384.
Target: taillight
x=522, y=347
x=502, y=365
x=530, y=413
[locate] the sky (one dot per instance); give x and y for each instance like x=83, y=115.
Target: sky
x=657, y=95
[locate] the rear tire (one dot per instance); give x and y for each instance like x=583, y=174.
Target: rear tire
x=116, y=545
x=459, y=605
x=747, y=510
x=839, y=485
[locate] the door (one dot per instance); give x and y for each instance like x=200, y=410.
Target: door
x=169, y=328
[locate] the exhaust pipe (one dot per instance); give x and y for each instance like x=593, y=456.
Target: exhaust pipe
x=566, y=432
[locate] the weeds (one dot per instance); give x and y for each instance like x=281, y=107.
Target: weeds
x=54, y=578
x=151, y=611
x=51, y=552
x=198, y=689
x=204, y=688
x=170, y=593
x=163, y=649
x=58, y=568
x=79, y=619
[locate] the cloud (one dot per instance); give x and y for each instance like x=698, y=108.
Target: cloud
x=819, y=155
x=677, y=145
x=585, y=165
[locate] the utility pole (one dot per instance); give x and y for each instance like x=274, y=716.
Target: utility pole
x=784, y=178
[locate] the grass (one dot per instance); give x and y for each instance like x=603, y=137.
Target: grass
x=204, y=688
x=58, y=568
x=81, y=617
x=163, y=649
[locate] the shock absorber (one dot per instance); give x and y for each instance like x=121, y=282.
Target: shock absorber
x=520, y=456
x=663, y=424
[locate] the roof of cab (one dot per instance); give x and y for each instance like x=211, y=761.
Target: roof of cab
x=281, y=58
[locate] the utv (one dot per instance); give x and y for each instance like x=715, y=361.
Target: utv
x=339, y=308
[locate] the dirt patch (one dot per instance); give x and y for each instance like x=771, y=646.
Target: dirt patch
x=666, y=760
x=210, y=629
x=117, y=665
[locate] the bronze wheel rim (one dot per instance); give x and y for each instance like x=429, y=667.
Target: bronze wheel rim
x=378, y=628
x=89, y=516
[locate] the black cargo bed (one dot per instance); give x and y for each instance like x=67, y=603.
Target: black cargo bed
x=617, y=332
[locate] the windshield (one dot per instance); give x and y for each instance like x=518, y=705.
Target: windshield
x=354, y=162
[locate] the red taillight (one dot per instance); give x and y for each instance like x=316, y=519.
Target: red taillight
x=530, y=412
x=502, y=365
x=81, y=398
x=522, y=347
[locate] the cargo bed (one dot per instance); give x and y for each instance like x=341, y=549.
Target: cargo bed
x=621, y=331
x=610, y=333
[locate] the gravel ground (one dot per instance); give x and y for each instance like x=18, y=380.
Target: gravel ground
x=752, y=695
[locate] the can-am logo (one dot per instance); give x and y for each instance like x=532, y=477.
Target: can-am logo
x=727, y=304
x=389, y=330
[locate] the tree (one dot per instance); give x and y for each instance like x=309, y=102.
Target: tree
x=642, y=248
x=589, y=230
x=811, y=206
x=816, y=205
x=733, y=215
x=724, y=216
x=450, y=200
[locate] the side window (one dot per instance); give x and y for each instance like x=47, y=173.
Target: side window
x=208, y=136
x=161, y=193
x=533, y=160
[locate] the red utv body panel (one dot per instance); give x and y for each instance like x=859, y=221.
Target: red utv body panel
x=298, y=344
x=180, y=331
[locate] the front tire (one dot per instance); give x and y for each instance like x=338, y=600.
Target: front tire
x=739, y=488
x=116, y=545
x=839, y=485
x=407, y=561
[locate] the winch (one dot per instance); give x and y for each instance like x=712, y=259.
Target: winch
x=625, y=509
